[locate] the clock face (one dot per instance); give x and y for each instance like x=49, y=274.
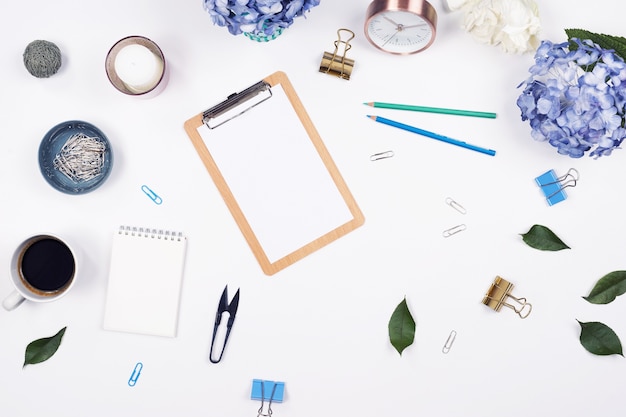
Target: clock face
x=399, y=32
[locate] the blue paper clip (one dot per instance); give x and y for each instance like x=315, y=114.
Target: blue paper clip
x=153, y=196
x=553, y=187
x=135, y=375
x=267, y=390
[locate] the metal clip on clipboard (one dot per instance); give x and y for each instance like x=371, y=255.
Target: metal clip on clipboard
x=229, y=109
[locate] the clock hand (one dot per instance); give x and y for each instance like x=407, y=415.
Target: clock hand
x=390, y=38
x=414, y=26
x=390, y=21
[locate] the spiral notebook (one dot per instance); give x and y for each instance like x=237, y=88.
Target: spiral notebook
x=145, y=280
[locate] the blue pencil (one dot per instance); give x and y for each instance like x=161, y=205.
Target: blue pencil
x=432, y=135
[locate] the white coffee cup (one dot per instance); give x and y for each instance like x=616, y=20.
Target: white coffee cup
x=43, y=269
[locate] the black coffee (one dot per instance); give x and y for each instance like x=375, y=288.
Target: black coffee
x=47, y=265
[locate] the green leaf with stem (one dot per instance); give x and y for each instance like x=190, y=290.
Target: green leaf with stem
x=41, y=350
x=401, y=327
x=608, y=288
x=542, y=238
x=599, y=339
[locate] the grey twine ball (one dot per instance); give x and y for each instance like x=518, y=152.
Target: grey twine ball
x=42, y=58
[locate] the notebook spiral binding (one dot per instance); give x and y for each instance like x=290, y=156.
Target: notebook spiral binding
x=151, y=233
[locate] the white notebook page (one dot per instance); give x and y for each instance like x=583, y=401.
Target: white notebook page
x=145, y=279
x=277, y=176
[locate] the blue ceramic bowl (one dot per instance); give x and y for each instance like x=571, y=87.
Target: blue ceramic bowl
x=51, y=146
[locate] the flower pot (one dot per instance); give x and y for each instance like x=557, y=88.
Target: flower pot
x=261, y=37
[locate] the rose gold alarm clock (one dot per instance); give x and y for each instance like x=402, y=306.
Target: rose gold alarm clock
x=401, y=27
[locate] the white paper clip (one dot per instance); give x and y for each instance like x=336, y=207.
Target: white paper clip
x=455, y=205
x=449, y=342
x=135, y=375
x=153, y=196
x=381, y=155
x=454, y=230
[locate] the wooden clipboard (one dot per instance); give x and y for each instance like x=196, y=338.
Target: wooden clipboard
x=274, y=173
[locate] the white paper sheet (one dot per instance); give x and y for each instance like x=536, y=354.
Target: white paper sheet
x=277, y=176
x=145, y=278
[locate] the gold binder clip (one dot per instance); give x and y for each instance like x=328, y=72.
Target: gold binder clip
x=499, y=291
x=335, y=64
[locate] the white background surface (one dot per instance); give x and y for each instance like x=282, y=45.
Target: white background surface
x=320, y=325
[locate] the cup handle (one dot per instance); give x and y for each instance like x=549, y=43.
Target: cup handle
x=12, y=301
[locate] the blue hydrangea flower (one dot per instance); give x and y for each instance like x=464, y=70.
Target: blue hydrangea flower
x=257, y=17
x=575, y=99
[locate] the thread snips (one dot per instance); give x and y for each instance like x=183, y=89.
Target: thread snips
x=223, y=307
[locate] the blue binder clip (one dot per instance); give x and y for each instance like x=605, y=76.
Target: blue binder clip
x=553, y=187
x=267, y=391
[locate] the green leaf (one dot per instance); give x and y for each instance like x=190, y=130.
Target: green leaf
x=542, y=238
x=401, y=327
x=608, y=288
x=616, y=43
x=599, y=339
x=42, y=349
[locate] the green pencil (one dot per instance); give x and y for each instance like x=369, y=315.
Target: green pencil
x=431, y=109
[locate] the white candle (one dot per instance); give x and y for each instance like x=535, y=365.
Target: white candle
x=138, y=68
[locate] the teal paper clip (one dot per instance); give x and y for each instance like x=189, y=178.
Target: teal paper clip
x=153, y=196
x=267, y=390
x=553, y=187
x=135, y=375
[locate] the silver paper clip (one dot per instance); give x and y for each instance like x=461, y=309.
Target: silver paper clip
x=455, y=205
x=449, y=342
x=381, y=155
x=454, y=230
x=135, y=375
x=153, y=196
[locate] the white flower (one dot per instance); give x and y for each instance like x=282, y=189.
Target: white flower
x=453, y=5
x=512, y=24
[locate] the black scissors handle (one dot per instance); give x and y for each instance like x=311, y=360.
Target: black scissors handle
x=222, y=308
x=223, y=346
